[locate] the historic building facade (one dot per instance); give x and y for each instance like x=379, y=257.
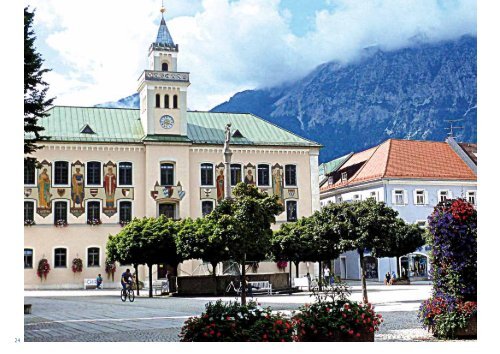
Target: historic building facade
x=104, y=166
x=407, y=175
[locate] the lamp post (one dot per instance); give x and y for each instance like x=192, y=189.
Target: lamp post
x=227, y=162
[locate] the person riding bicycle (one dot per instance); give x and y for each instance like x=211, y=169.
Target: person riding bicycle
x=126, y=279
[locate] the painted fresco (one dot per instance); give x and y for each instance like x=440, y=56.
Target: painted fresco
x=291, y=193
x=249, y=174
x=277, y=175
x=219, y=181
x=44, y=207
x=77, y=189
x=109, y=207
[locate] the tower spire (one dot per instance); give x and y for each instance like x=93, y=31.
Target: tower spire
x=163, y=38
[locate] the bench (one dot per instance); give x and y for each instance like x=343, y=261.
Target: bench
x=90, y=282
x=301, y=282
x=161, y=286
x=261, y=286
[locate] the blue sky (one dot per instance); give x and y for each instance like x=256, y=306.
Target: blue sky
x=97, y=49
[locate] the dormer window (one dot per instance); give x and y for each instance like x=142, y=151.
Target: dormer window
x=164, y=67
x=87, y=130
x=343, y=177
x=237, y=134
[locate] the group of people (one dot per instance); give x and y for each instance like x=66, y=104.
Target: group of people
x=390, y=278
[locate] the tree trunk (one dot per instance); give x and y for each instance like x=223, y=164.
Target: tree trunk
x=150, y=269
x=243, y=282
x=136, y=266
x=320, y=277
x=363, y=277
x=290, y=276
x=296, y=269
x=398, y=270
x=214, y=265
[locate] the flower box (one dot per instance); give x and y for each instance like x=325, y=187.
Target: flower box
x=470, y=331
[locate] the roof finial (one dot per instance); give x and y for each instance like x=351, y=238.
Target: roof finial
x=162, y=10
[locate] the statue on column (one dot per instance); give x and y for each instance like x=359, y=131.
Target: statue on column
x=227, y=139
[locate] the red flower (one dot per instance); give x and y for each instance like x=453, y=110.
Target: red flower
x=350, y=331
x=358, y=335
x=212, y=332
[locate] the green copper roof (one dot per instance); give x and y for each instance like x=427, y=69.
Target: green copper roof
x=118, y=125
x=331, y=166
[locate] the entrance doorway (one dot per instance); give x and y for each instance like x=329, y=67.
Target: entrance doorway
x=371, y=264
x=167, y=209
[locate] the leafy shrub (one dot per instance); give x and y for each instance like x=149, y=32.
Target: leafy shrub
x=335, y=317
x=232, y=322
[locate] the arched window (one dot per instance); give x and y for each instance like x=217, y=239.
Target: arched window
x=167, y=174
x=207, y=174
x=175, y=101
x=164, y=67
x=157, y=100
x=166, y=101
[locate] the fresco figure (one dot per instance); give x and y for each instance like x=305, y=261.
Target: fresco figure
x=110, y=188
x=249, y=179
x=278, y=184
x=77, y=188
x=220, y=185
x=44, y=190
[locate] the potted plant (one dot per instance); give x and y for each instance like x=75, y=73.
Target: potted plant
x=334, y=318
x=43, y=268
x=110, y=268
x=77, y=265
x=94, y=222
x=232, y=322
x=61, y=223
x=29, y=222
x=282, y=265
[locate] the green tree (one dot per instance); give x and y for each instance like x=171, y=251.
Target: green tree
x=35, y=89
x=244, y=224
x=372, y=227
x=195, y=241
x=145, y=241
x=406, y=239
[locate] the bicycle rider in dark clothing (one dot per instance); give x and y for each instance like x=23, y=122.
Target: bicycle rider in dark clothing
x=126, y=279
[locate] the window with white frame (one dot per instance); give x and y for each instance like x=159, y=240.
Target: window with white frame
x=167, y=174
x=291, y=210
x=290, y=175
x=356, y=197
x=399, y=197
x=93, y=257
x=207, y=206
x=373, y=194
x=236, y=174
x=93, y=211
x=29, y=210
x=60, y=257
x=28, y=258
x=125, y=211
x=93, y=173
x=420, y=197
x=339, y=199
x=443, y=195
x=343, y=177
x=60, y=212
x=61, y=173
x=29, y=174
x=207, y=174
x=471, y=197
x=263, y=175
x=125, y=173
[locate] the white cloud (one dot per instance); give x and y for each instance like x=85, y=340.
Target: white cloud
x=227, y=46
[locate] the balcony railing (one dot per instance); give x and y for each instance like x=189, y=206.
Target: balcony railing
x=153, y=75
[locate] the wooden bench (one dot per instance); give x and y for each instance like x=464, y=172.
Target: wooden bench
x=90, y=282
x=261, y=286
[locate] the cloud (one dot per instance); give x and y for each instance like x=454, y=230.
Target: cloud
x=227, y=45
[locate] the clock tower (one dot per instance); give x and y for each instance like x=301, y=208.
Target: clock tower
x=162, y=89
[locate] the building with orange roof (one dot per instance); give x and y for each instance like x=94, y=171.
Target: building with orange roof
x=410, y=176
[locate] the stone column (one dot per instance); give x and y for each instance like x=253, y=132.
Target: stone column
x=227, y=178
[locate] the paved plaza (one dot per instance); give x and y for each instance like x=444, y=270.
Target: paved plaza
x=100, y=315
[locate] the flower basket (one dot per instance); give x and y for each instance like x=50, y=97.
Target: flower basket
x=110, y=269
x=470, y=331
x=282, y=265
x=43, y=268
x=29, y=222
x=77, y=265
x=124, y=223
x=60, y=223
x=94, y=222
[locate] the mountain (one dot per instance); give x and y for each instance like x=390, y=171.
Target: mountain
x=408, y=93
x=131, y=101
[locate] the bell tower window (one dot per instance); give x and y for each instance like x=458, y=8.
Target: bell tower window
x=166, y=101
x=175, y=101
x=164, y=67
x=157, y=100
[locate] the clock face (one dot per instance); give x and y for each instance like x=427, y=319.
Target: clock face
x=167, y=122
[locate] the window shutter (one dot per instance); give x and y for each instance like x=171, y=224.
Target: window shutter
x=415, y=197
x=405, y=193
x=393, y=196
x=426, y=197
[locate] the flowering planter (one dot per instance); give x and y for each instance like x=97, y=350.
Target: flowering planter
x=342, y=337
x=470, y=331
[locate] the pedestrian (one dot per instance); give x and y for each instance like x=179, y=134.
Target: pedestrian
x=249, y=287
x=387, y=280
x=326, y=273
x=393, y=277
x=99, y=281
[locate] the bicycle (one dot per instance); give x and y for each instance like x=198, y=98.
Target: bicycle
x=232, y=287
x=128, y=292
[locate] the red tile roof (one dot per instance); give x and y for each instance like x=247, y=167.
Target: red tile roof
x=407, y=159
